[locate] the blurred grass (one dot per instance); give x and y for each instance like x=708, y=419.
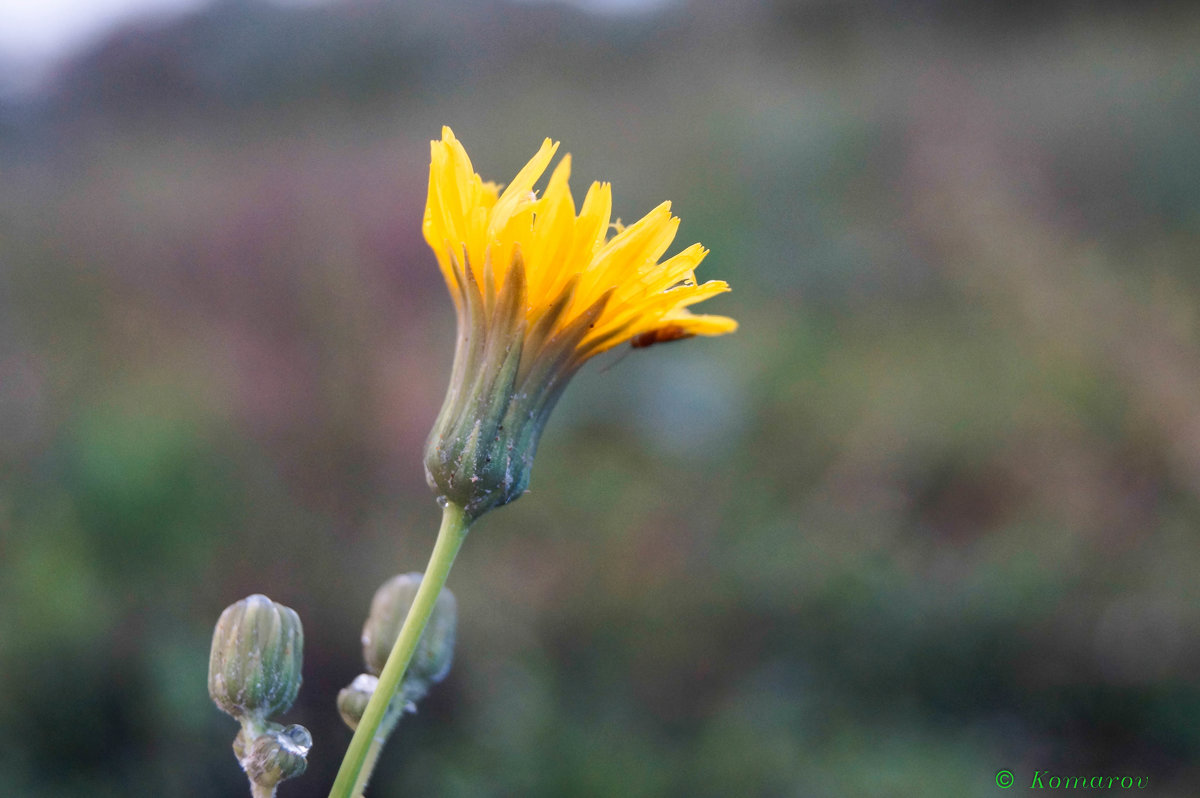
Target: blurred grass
x=929, y=514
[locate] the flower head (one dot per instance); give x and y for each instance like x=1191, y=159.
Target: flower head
x=539, y=288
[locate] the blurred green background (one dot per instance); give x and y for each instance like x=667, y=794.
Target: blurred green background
x=932, y=512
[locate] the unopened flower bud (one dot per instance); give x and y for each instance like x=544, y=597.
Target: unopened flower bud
x=435, y=651
x=277, y=755
x=352, y=700
x=254, y=668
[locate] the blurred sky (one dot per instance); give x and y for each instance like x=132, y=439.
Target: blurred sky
x=36, y=33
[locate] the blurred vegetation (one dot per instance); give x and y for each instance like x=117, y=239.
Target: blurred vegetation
x=931, y=513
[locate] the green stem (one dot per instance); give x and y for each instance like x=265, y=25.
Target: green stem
x=450, y=538
x=390, y=719
x=364, y=775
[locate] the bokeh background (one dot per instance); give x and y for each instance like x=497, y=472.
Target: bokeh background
x=932, y=512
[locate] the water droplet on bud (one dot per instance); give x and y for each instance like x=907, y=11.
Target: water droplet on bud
x=296, y=738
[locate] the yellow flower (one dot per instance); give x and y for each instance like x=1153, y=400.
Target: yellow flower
x=571, y=265
x=539, y=289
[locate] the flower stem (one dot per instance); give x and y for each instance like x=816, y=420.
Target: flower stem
x=390, y=719
x=364, y=775
x=450, y=538
x=259, y=791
